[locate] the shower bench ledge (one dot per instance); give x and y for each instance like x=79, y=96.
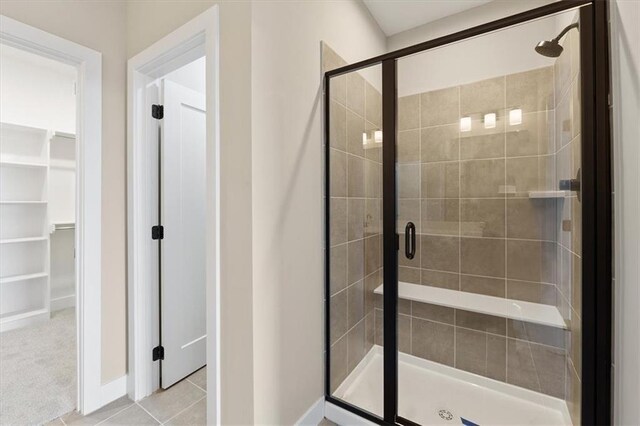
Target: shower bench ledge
x=520, y=310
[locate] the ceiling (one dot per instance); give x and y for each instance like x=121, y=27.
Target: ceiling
x=395, y=16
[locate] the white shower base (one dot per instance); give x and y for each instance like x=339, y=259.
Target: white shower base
x=426, y=387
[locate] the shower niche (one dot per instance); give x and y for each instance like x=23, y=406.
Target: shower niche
x=454, y=208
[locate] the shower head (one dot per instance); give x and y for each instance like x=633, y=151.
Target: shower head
x=553, y=48
x=549, y=48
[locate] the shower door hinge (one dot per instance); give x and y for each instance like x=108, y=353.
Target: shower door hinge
x=157, y=232
x=158, y=353
x=157, y=111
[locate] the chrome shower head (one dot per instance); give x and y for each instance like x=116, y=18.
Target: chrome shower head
x=553, y=48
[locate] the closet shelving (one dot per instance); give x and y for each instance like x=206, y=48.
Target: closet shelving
x=24, y=241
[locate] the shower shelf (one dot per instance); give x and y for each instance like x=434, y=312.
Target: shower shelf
x=497, y=306
x=548, y=194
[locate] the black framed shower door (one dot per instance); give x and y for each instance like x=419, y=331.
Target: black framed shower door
x=596, y=402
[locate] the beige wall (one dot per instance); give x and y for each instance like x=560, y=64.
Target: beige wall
x=99, y=25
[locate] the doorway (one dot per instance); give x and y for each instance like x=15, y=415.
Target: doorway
x=50, y=226
x=461, y=231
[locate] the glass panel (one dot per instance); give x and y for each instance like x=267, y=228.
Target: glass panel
x=488, y=144
x=355, y=247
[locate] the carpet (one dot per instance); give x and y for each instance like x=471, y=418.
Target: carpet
x=38, y=371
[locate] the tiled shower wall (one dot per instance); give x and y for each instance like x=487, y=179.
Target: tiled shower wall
x=568, y=158
x=355, y=222
x=467, y=192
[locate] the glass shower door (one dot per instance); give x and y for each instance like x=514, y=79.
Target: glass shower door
x=488, y=158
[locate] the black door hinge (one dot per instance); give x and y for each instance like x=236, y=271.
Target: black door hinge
x=157, y=111
x=157, y=232
x=158, y=353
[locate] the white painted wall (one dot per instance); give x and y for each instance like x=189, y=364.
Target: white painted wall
x=625, y=41
x=192, y=75
x=36, y=91
x=288, y=283
x=504, y=52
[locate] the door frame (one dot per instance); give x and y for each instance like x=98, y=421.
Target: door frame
x=88, y=208
x=195, y=39
x=597, y=208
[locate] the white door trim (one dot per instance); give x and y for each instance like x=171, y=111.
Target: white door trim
x=198, y=37
x=89, y=194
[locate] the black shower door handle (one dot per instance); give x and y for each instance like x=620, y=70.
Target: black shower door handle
x=410, y=240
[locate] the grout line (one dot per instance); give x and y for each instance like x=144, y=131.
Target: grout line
x=147, y=411
x=203, y=390
x=183, y=410
x=115, y=414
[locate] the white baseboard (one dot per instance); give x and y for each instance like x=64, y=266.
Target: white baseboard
x=113, y=390
x=342, y=417
x=63, y=302
x=314, y=414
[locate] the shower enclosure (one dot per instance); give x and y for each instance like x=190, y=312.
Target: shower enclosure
x=468, y=238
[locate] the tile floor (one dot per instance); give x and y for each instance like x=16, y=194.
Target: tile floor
x=182, y=404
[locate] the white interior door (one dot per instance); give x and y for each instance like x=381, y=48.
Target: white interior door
x=183, y=317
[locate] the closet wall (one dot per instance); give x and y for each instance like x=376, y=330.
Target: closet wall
x=37, y=187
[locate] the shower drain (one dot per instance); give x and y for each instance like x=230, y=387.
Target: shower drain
x=445, y=414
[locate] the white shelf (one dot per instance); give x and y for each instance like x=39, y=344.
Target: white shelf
x=25, y=164
x=22, y=240
x=22, y=202
x=547, y=194
x=25, y=277
x=536, y=313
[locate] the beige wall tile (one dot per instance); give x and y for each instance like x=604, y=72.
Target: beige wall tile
x=576, y=107
x=574, y=342
x=439, y=143
x=409, y=275
x=482, y=97
x=404, y=333
x=440, y=279
x=371, y=282
x=483, y=285
x=338, y=268
x=550, y=368
x=338, y=321
x=338, y=126
x=532, y=292
x=373, y=104
x=372, y=179
x=402, y=259
x=355, y=218
x=355, y=93
x=373, y=153
x=338, y=173
x=550, y=336
x=338, y=89
x=533, y=219
x=573, y=393
x=481, y=322
x=440, y=180
x=372, y=216
x=409, y=112
x=338, y=358
x=338, y=221
x=369, y=331
x=440, y=107
x=562, y=70
x=408, y=180
x=524, y=174
x=355, y=303
x=355, y=264
x=372, y=254
x=440, y=253
x=481, y=178
x=433, y=341
x=531, y=90
x=563, y=122
x=355, y=173
x=531, y=260
x=483, y=143
x=440, y=216
x=536, y=135
x=481, y=353
x=408, y=211
x=355, y=128
x=408, y=146
x=432, y=312
x=482, y=256
x=521, y=370
x=355, y=346
x=482, y=217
